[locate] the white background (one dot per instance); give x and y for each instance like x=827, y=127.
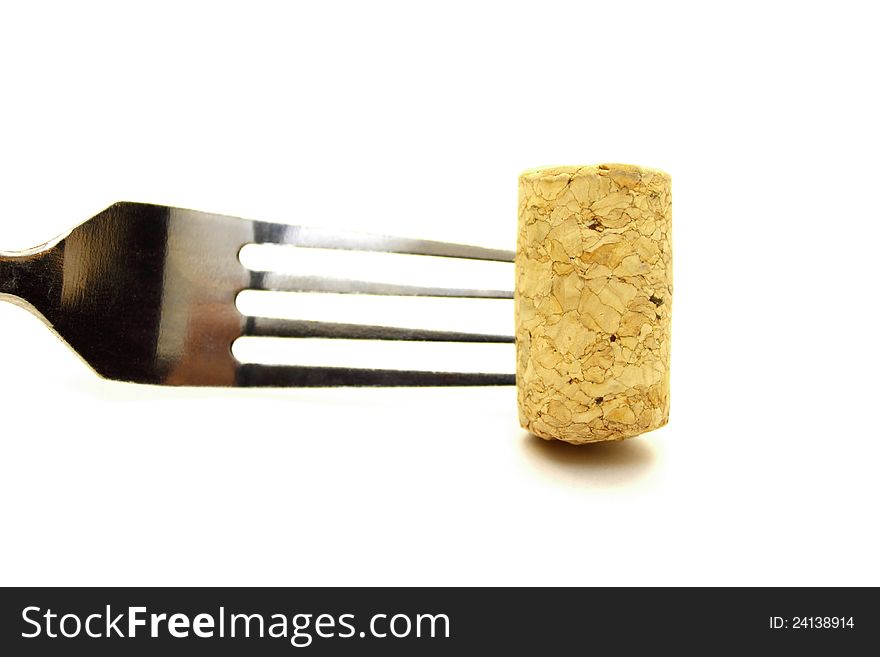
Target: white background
x=416, y=119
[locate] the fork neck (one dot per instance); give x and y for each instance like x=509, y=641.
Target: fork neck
x=9, y=274
x=30, y=275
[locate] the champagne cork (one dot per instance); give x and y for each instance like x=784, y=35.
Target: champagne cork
x=593, y=301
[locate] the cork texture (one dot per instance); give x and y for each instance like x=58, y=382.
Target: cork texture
x=593, y=301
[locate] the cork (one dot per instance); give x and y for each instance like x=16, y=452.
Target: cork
x=593, y=301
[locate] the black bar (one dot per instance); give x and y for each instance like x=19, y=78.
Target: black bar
x=477, y=621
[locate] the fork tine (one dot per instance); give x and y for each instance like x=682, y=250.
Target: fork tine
x=283, y=328
x=319, y=238
x=275, y=282
x=285, y=376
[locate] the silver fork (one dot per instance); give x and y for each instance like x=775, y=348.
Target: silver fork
x=146, y=294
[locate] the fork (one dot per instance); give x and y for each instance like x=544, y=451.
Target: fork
x=146, y=294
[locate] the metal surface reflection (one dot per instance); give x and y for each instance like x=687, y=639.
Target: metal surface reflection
x=146, y=294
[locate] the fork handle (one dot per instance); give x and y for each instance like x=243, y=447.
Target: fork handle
x=9, y=274
x=33, y=276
